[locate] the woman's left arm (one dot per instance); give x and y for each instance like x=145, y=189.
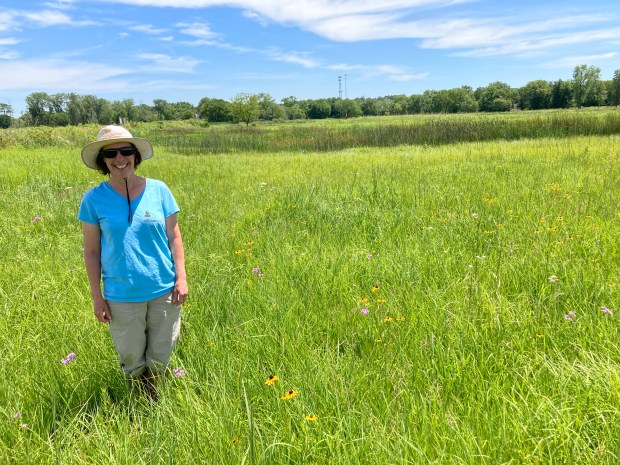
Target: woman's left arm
x=180, y=291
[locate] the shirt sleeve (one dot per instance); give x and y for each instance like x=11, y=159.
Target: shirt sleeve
x=87, y=212
x=169, y=204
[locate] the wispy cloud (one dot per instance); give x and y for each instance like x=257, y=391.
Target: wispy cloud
x=60, y=4
x=390, y=72
x=147, y=29
x=160, y=62
x=61, y=75
x=298, y=58
x=7, y=21
x=365, y=20
x=8, y=41
x=578, y=60
x=46, y=18
x=7, y=55
x=199, y=30
x=521, y=45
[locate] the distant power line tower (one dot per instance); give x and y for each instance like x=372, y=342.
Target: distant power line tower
x=340, y=86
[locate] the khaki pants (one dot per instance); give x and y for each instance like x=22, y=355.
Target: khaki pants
x=144, y=333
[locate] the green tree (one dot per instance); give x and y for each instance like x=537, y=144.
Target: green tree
x=414, y=104
x=145, y=113
x=182, y=111
x=613, y=91
x=245, y=107
x=368, y=106
x=161, y=107
x=399, y=105
x=269, y=109
x=346, y=108
x=430, y=102
x=294, y=112
x=497, y=96
x=587, y=88
x=535, y=95
x=6, y=115
x=37, y=102
x=561, y=94
x=214, y=110
x=319, y=109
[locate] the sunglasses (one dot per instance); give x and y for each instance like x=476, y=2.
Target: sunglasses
x=124, y=151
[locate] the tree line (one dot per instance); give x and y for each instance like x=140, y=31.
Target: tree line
x=586, y=88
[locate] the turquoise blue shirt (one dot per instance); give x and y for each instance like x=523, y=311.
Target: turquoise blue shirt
x=136, y=261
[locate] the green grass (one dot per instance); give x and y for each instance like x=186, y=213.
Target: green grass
x=195, y=137
x=479, y=250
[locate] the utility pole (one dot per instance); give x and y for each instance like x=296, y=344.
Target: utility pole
x=345, y=86
x=339, y=86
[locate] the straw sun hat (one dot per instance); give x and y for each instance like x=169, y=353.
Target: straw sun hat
x=109, y=135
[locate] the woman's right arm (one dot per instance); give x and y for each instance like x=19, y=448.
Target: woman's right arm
x=92, y=259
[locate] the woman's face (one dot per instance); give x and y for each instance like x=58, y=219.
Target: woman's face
x=120, y=165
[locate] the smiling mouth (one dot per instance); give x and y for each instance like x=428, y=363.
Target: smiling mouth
x=120, y=167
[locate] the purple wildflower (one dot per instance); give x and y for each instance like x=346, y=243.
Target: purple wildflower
x=16, y=415
x=35, y=219
x=178, y=372
x=68, y=359
x=364, y=311
x=24, y=425
x=570, y=316
x=368, y=256
x=607, y=311
x=257, y=272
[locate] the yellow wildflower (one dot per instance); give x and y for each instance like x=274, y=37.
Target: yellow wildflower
x=289, y=394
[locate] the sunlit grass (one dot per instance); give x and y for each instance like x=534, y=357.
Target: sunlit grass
x=411, y=305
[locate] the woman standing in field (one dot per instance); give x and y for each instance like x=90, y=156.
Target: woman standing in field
x=132, y=243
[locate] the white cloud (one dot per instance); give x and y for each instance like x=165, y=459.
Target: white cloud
x=60, y=75
x=60, y=4
x=364, y=20
x=537, y=44
x=199, y=30
x=147, y=29
x=6, y=55
x=47, y=17
x=8, y=41
x=160, y=62
x=390, y=72
x=297, y=58
x=7, y=21
x=578, y=60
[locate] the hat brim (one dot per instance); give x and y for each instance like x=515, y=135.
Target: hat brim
x=90, y=151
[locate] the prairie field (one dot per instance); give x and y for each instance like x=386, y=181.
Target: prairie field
x=423, y=303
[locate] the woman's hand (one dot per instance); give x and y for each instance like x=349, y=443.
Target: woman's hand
x=102, y=310
x=180, y=291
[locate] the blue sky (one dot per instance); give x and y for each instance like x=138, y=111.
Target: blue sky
x=183, y=50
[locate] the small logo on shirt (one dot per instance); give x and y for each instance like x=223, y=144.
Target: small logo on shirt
x=149, y=218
